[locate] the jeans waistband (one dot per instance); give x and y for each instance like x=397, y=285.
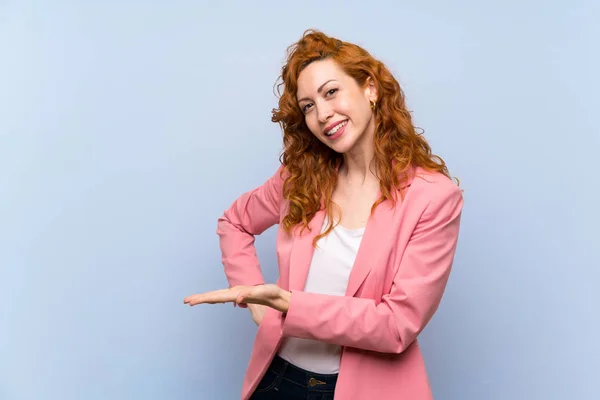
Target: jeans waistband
x=303, y=377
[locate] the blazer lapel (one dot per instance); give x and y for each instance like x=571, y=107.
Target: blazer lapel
x=371, y=251
x=373, y=248
x=302, y=252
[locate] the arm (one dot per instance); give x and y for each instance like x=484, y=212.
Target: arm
x=393, y=324
x=250, y=215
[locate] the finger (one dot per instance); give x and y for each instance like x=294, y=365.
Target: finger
x=220, y=292
x=239, y=299
x=246, y=295
x=214, y=297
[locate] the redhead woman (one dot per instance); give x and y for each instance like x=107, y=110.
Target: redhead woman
x=368, y=222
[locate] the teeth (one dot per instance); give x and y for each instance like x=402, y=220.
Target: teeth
x=337, y=128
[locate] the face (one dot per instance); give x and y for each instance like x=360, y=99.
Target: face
x=336, y=109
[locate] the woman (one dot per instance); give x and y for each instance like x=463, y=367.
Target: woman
x=368, y=226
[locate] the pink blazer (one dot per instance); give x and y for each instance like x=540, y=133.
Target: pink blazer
x=395, y=286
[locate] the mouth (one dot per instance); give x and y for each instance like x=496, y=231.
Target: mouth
x=332, y=130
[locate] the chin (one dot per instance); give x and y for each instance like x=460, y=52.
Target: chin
x=341, y=149
x=343, y=146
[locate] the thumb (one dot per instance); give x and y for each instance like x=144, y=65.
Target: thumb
x=239, y=299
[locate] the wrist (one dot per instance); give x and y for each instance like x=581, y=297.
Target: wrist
x=285, y=298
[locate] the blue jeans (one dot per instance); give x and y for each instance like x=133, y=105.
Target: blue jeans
x=286, y=381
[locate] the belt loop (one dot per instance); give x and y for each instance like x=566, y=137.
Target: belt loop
x=279, y=365
x=285, y=365
x=280, y=374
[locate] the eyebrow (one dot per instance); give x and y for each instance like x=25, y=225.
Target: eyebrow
x=318, y=90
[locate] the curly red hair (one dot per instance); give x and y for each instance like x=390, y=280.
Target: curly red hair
x=311, y=166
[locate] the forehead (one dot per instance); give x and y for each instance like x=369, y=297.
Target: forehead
x=317, y=73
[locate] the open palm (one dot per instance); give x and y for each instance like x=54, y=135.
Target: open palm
x=269, y=295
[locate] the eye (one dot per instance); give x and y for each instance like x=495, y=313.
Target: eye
x=306, y=108
x=331, y=92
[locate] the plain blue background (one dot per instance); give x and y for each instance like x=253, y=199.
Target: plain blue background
x=127, y=128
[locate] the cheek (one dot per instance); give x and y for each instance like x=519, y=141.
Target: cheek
x=352, y=108
x=360, y=114
x=343, y=106
x=312, y=123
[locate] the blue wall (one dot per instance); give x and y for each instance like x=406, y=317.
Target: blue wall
x=126, y=128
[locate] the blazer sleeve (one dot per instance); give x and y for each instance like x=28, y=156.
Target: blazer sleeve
x=391, y=325
x=249, y=215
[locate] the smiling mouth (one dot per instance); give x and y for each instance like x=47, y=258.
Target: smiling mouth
x=336, y=128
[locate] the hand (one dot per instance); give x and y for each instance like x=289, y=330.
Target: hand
x=268, y=295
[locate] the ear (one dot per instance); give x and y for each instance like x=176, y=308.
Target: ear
x=371, y=90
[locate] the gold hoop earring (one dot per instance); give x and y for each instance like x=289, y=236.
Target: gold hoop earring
x=373, y=105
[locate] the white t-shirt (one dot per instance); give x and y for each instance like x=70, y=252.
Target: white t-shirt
x=328, y=274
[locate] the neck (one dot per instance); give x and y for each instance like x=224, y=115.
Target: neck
x=357, y=165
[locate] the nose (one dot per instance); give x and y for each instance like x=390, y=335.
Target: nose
x=324, y=113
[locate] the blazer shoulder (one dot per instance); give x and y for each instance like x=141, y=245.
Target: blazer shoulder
x=433, y=185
